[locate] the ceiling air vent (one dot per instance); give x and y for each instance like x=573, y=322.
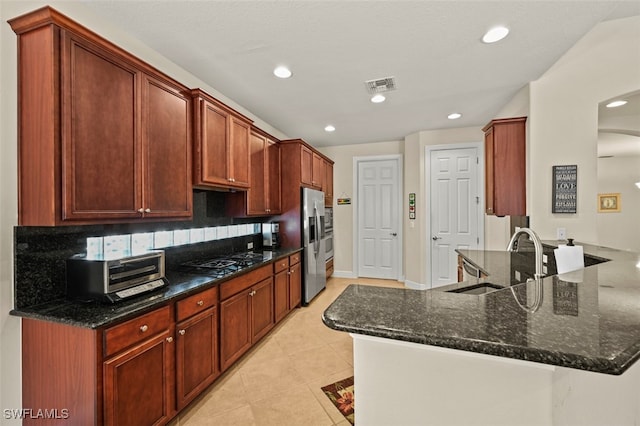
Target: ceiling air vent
x=381, y=85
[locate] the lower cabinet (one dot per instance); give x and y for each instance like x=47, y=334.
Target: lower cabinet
x=138, y=370
x=246, y=313
x=288, y=285
x=295, y=281
x=143, y=371
x=197, y=363
x=138, y=383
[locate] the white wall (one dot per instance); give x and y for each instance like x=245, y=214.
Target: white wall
x=416, y=242
x=564, y=118
x=620, y=230
x=10, y=364
x=343, y=188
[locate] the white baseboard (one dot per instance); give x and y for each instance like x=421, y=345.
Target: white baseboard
x=343, y=274
x=416, y=286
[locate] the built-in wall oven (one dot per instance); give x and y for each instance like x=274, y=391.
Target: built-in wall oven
x=328, y=232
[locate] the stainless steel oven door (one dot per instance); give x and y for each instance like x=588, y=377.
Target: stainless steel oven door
x=328, y=244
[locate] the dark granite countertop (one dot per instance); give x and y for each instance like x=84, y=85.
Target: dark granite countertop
x=98, y=314
x=588, y=321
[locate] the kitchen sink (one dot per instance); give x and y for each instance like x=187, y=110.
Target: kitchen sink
x=481, y=288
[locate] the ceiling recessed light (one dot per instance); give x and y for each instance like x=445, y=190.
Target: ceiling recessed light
x=495, y=34
x=376, y=99
x=282, y=72
x=616, y=104
x=454, y=116
x=329, y=128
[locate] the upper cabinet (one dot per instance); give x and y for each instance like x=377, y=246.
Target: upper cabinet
x=221, y=144
x=327, y=186
x=305, y=165
x=98, y=129
x=505, y=167
x=263, y=198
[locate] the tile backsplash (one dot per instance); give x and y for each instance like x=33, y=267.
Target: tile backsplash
x=40, y=253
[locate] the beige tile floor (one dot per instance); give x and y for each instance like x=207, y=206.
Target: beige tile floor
x=278, y=381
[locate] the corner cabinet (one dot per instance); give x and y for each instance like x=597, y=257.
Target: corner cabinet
x=221, y=145
x=109, y=127
x=505, y=167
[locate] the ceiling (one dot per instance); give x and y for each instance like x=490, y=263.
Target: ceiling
x=432, y=48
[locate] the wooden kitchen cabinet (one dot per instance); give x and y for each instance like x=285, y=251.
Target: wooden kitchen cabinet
x=317, y=172
x=221, y=144
x=505, y=167
x=197, y=363
x=306, y=164
x=327, y=186
x=246, y=313
x=108, y=129
x=281, y=288
x=295, y=280
x=139, y=379
x=263, y=197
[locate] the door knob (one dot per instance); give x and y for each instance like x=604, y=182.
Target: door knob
x=436, y=238
x=393, y=234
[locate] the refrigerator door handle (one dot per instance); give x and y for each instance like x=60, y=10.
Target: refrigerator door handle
x=316, y=218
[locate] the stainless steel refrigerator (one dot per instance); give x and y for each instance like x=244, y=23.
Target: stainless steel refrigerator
x=313, y=242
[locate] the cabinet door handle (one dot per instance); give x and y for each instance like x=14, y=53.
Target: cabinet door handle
x=147, y=210
x=144, y=328
x=169, y=339
x=140, y=210
x=181, y=332
x=200, y=302
x=252, y=293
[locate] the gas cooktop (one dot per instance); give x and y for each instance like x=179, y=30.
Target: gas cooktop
x=219, y=267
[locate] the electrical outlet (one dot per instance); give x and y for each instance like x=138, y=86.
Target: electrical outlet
x=561, y=234
x=250, y=245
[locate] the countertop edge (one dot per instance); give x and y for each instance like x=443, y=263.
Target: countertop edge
x=38, y=312
x=604, y=366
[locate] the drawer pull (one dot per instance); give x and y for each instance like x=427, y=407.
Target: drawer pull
x=200, y=302
x=169, y=339
x=181, y=332
x=144, y=328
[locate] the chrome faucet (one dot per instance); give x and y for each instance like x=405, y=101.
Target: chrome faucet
x=537, y=244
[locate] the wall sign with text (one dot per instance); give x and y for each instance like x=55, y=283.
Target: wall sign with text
x=565, y=189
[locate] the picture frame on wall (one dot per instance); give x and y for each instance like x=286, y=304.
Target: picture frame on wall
x=609, y=203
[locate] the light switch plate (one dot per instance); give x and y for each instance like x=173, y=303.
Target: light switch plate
x=249, y=246
x=561, y=233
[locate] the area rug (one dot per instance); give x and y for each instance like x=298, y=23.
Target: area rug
x=341, y=395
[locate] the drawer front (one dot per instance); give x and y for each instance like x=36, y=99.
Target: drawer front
x=295, y=258
x=196, y=303
x=280, y=265
x=136, y=330
x=243, y=282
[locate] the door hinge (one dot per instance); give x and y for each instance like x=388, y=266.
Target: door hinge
x=477, y=160
x=477, y=200
x=477, y=240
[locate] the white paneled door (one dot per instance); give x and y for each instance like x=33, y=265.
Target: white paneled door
x=455, y=207
x=378, y=218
